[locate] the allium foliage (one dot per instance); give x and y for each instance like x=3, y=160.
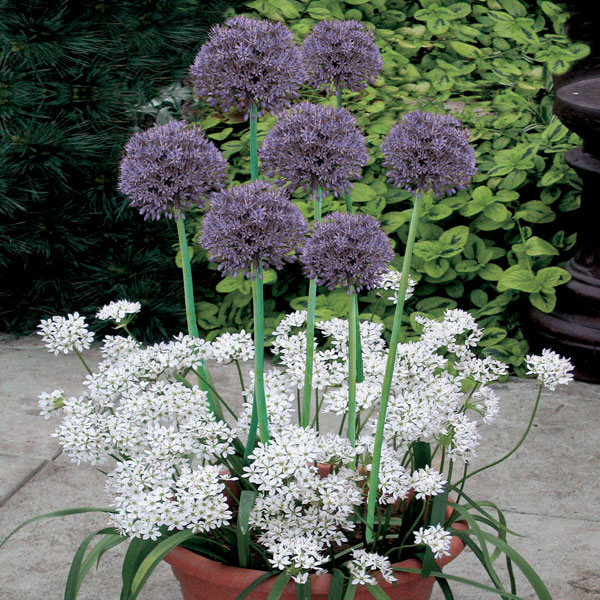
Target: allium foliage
x=250, y=225
x=170, y=168
x=248, y=60
x=428, y=151
x=349, y=250
x=314, y=145
x=341, y=53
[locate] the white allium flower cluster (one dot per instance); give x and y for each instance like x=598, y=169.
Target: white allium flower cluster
x=364, y=564
x=138, y=409
x=436, y=537
x=550, y=368
x=233, y=346
x=65, y=334
x=301, y=509
x=118, y=311
x=51, y=403
x=391, y=281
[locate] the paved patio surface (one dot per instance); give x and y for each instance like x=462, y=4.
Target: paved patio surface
x=549, y=490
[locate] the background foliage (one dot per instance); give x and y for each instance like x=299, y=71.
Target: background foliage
x=77, y=79
x=494, y=249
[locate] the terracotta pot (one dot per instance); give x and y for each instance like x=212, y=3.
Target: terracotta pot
x=204, y=579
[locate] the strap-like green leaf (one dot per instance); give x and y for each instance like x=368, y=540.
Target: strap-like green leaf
x=336, y=587
x=350, y=592
x=256, y=583
x=486, y=588
x=75, y=576
x=247, y=499
x=279, y=586
x=154, y=557
x=303, y=591
x=58, y=513
x=136, y=553
x=377, y=592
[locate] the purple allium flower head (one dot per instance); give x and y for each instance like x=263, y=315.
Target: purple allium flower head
x=248, y=60
x=341, y=53
x=169, y=168
x=250, y=224
x=347, y=250
x=314, y=145
x=428, y=151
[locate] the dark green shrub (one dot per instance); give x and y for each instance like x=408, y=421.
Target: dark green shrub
x=494, y=249
x=77, y=79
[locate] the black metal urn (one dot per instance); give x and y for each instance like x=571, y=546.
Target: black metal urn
x=573, y=328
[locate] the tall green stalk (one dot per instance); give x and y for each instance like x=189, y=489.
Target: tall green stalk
x=253, y=142
x=360, y=374
x=389, y=368
x=310, y=328
x=352, y=351
x=259, y=354
x=190, y=312
x=253, y=177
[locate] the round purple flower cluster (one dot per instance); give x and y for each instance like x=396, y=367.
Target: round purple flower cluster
x=251, y=225
x=428, y=151
x=314, y=145
x=341, y=53
x=349, y=250
x=248, y=60
x=169, y=168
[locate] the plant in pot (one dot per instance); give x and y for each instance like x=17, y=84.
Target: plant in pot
x=334, y=475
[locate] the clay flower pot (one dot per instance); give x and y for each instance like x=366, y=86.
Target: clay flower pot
x=204, y=579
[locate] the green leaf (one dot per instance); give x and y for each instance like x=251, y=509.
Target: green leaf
x=392, y=221
x=350, y=592
x=492, y=336
x=153, y=559
x=136, y=553
x=550, y=277
x=229, y=284
x=255, y=584
x=519, y=278
x=75, y=577
x=362, y=193
x=479, y=298
x=279, y=586
x=454, y=240
x=544, y=301
x=491, y=272
x=336, y=587
x=436, y=268
x=428, y=250
x=513, y=7
x=58, y=513
x=536, y=246
x=303, y=591
x=377, y=592
x=535, y=211
x=318, y=13
x=247, y=499
x=220, y=135
x=466, y=50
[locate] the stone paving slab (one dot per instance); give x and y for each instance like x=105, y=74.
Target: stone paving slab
x=549, y=489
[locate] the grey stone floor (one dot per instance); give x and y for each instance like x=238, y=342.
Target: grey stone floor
x=549, y=490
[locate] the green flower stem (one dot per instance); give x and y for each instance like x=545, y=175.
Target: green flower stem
x=360, y=375
x=253, y=142
x=310, y=328
x=259, y=354
x=82, y=361
x=519, y=443
x=352, y=320
x=190, y=311
x=389, y=368
x=253, y=176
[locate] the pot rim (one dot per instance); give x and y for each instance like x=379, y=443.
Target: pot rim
x=212, y=571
